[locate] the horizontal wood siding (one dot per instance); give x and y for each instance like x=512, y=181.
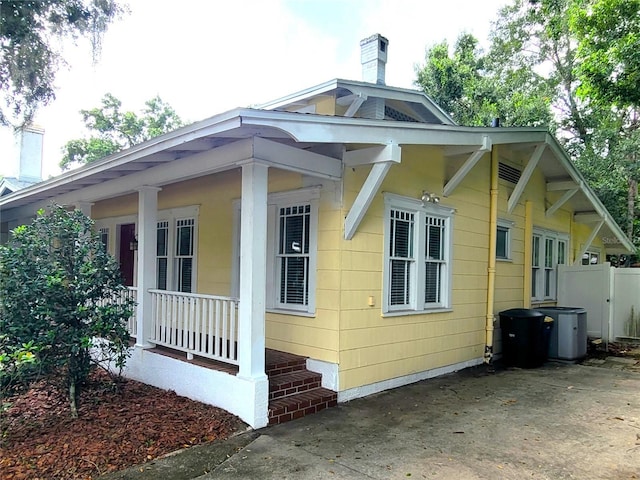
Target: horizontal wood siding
x=374, y=348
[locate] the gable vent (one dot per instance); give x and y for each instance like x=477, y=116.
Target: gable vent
x=508, y=173
x=394, y=114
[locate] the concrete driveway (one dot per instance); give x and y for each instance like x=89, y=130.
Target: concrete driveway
x=555, y=422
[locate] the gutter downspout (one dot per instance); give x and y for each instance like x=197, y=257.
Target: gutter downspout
x=528, y=250
x=491, y=270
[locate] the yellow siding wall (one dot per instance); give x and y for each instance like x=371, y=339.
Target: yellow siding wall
x=375, y=348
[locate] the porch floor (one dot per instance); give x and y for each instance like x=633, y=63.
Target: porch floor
x=294, y=391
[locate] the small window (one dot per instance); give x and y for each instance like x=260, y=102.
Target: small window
x=503, y=240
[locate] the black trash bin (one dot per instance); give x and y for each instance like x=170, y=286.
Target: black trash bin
x=525, y=337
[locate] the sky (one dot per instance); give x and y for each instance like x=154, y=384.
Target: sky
x=205, y=57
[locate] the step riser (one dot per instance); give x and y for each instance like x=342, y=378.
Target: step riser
x=287, y=392
x=276, y=418
x=282, y=368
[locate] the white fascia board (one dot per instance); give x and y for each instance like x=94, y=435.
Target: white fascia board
x=326, y=129
x=299, y=96
x=467, y=166
x=525, y=177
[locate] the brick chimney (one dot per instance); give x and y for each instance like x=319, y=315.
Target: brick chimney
x=373, y=57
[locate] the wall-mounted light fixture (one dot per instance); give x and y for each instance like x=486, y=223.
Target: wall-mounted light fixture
x=429, y=198
x=133, y=244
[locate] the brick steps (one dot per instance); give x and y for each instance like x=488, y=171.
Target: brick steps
x=294, y=391
x=289, y=384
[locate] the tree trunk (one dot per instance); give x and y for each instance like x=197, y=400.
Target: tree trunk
x=632, y=193
x=72, y=398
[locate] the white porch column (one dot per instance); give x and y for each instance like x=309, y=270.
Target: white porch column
x=253, y=267
x=147, y=225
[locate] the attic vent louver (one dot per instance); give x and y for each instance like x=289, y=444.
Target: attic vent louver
x=508, y=173
x=394, y=114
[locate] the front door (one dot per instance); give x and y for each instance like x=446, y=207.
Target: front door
x=127, y=240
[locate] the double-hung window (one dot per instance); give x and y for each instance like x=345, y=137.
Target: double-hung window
x=417, y=265
x=292, y=258
x=549, y=249
x=292, y=238
x=185, y=237
x=292, y=221
x=176, y=250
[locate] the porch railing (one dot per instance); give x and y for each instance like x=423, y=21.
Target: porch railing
x=203, y=325
x=132, y=324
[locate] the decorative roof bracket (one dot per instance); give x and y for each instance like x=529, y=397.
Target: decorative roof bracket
x=382, y=159
x=526, y=176
x=467, y=166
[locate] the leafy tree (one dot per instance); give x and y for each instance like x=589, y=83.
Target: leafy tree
x=609, y=36
x=62, y=300
x=113, y=130
x=608, y=32
x=30, y=31
x=474, y=88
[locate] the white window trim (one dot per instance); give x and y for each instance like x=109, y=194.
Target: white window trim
x=508, y=226
x=418, y=306
x=307, y=195
x=556, y=237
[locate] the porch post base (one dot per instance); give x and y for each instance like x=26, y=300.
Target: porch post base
x=257, y=402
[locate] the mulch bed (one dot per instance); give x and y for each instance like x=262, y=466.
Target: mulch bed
x=119, y=426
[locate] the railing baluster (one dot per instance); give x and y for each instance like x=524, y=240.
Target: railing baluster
x=210, y=332
x=225, y=332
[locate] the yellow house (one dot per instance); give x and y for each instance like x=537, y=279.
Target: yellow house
x=353, y=231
